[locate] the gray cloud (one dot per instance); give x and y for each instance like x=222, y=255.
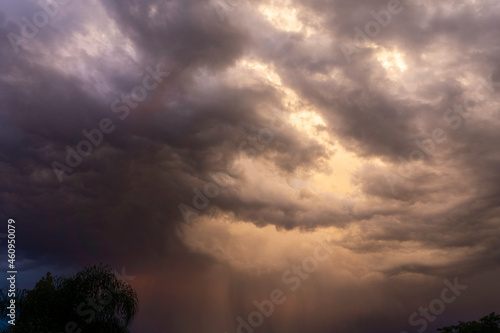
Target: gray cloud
x=120, y=204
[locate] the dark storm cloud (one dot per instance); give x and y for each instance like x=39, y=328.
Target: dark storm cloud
x=188, y=31
x=151, y=160
x=120, y=204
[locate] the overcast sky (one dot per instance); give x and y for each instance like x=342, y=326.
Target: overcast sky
x=208, y=147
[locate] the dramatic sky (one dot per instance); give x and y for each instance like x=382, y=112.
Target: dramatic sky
x=231, y=138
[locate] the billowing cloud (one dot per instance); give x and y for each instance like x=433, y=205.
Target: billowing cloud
x=209, y=147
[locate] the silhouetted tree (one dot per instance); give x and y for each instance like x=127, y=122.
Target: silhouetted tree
x=92, y=300
x=487, y=324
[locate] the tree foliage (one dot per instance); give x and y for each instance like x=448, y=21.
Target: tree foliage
x=487, y=324
x=92, y=300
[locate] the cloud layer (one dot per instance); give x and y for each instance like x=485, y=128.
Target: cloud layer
x=268, y=126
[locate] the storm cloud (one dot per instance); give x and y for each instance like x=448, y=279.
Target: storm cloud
x=210, y=146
